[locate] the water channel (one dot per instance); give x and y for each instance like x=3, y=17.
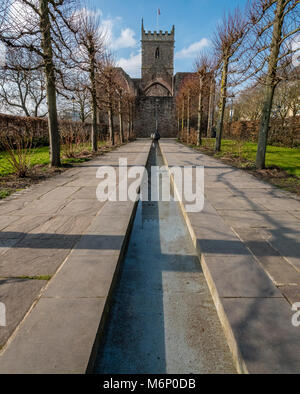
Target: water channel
x=162, y=319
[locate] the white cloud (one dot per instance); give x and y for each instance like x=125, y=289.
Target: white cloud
x=132, y=65
x=86, y=12
x=126, y=40
x=107, y=28
x=193, y=49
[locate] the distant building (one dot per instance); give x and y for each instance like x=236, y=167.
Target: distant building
x=155, y=92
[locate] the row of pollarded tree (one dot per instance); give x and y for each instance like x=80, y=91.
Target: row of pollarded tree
x=255, y=46
x=56, y=55
x=195, y=101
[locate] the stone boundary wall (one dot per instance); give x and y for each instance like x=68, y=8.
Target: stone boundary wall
x=144, y=123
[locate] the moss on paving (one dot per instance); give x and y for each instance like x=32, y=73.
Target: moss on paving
x=43, y=277
x=5, y=193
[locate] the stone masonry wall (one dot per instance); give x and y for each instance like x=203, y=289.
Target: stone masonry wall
x=144, y=124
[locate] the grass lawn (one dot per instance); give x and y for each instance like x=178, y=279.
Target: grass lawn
x=40, y=156
x=283, y=164
x=287, y=159
x=39, y=167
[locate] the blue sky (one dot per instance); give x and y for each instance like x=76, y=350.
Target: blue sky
x=194, y=22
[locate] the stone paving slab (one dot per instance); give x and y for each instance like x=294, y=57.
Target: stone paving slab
x=267, y=341
x=240, y=276
x=18, y=295
x=6, y=220
x=35, y=256
x=277, y=267
x=86, y=277
x=20, y=226
x=62, y=225
x=248, y=238
x=57, y=337
x=64, y=236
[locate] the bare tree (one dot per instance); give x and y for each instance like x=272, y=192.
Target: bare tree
x=91, y=51
x=130, y=98
x=120, y=112
x=185, y=101
x=211, y=108
x=125, y=99
x=108, y=86
x=249, y=103
x=21, y=88
x=82, y=102
x=77, y=93
x=274, y=24
x=188, y=113
x=227, y=41
x=205, y=68
x=40, y=26
x=181, y=105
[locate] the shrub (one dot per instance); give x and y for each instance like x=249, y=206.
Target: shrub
x=18, y=145
x=73, y=138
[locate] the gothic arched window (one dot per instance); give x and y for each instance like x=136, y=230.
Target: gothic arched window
x=157, y=53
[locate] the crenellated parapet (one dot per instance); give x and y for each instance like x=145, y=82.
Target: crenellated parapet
x=158, y=35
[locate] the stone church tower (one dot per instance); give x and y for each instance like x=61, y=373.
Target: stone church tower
x=157, y=63
x=155, y=103
x=155, y=92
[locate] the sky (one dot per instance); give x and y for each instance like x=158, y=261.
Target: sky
x=194, y=21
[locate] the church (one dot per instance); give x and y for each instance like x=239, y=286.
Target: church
x=155, y=91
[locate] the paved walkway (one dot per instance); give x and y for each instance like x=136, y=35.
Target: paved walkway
x=248, y=236
x=41, y=227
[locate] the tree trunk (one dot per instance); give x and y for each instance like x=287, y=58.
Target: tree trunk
x=222, y=105
x=182, y=118
x=131, y=122
x=270, y=85
x=128, y=123
x=82, y=114
x=54, y=137
x=211, y=109
x=200, y=107
x=188, y=125
x=94, y=136
x=111, y=125
x=121, y=122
